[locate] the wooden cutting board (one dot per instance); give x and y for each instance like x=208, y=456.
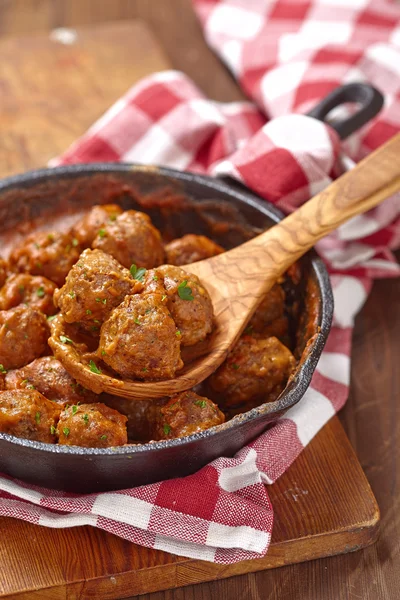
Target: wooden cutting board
x=50, y=92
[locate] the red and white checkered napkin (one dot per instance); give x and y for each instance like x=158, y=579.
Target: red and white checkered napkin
x=287, y=55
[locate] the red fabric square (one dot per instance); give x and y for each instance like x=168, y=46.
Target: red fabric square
x=378, y=134
x=194, y=495
x=94, y=149
x=290, y=10
x=313, y=90
x=156, y=101
x=337, y=55
x=274, y=174
x=369, y=17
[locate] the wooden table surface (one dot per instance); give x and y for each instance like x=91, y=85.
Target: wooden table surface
x=372, y=415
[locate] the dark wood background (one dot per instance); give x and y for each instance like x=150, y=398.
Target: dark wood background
x=372, y=415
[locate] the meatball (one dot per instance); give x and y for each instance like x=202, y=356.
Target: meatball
x=140, y=339
x=131, y=239
x=187, y=413
x=48, y=254
x=48, y=376
x=3, y=271
x=189, y=303
x=271, y=308
x=256, y=369
x=23, y=336
x=88, y=227
x=189, y=249
x=141, y=414
x=96, y=284
x=27, y=414
x=92, y=426
x=34, y=291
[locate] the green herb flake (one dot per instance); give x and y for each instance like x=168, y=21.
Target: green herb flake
x=102, y=300
x=68, y=248
x=37, y=418
x=72, y=294
x=166, y=429
x=51, y=318
x=75, y=242
x=74, y=409
x=144, y=370
x=184, y=291
x=102, y=233
x=155, y=278
x=88, y=311
x=94, y=368
x=2, y=369
x=163, y=298
x=21, y=289
x=97, y=321
x=103, y=437
x=201, y=403
x=40, y=292
x=94, y=328
x=137, y=321
x=136, y=273
x=39, y=265
x=103, y=352
x=50, y=237
x=52, y=430
x=235, y=366
x=65, y=340
x=86, y=418
x=66, y=431
x=113, y=217
x=178, y=333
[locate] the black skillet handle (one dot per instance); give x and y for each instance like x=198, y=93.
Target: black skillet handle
x=370, y=102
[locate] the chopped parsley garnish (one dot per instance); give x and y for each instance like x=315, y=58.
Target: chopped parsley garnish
x=136, y=273
x=40, y=292
x=37, y=418
x=52, y=429
x=86, y=418
x=39, y=265
x=79, y=264
x=94, y=328
x=102, y=300
x=2, y=369
x=50, y=237
x=21, y=289
x=66, y=431
x=163, y=298
x=72, y=294
x=235, y=366
x=51, y=318
x=94, y=368
x=184, y=291
x=144, y=370
x=75, y=242
x=103, y=352
x=137, y=321
x=88, y=311
x=155, y=278
x=201, y=403
x=166, y=429
x=103, y=437
x=102, y=233
x=74, y=409
x=97, y=321
x=65, y=340
x=178, y=333
x=113, y=217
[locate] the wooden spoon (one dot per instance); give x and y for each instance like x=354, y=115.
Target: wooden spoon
x=239, y=279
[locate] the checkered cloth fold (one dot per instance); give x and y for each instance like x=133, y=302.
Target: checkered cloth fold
x=286, y=55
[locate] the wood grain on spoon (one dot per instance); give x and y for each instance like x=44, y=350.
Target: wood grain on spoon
x=238, y=280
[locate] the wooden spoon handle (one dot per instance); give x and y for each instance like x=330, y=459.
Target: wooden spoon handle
x=375, y=178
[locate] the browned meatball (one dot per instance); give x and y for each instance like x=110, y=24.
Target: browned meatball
x=2, y=379
x=271, y=308
x=48, y=376
x=35, y=291
x=256, y=369
x=3, y=271
x=187, y=413
x=88, y=227
x=189, y=303
x=23, y=336
x=131, y=239
x=92, y=426
x=48, y=254
x=27, y=414
x=96, y=284
x=190, y=248
x=140, y=339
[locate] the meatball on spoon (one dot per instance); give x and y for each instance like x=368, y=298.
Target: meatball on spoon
x=238, y=280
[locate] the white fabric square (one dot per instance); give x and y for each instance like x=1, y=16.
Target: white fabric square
x=326, y=32
x=335, y=366
x=310, y=414
x=158, y=147
x=283, y=80
x=224, y=536
x=234, y=22
x=124, y=509
x=181, y=548
x=240, y=476
x=386, y=56
x=349, y=296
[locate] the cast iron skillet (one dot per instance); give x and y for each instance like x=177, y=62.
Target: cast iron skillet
x=232, y=214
